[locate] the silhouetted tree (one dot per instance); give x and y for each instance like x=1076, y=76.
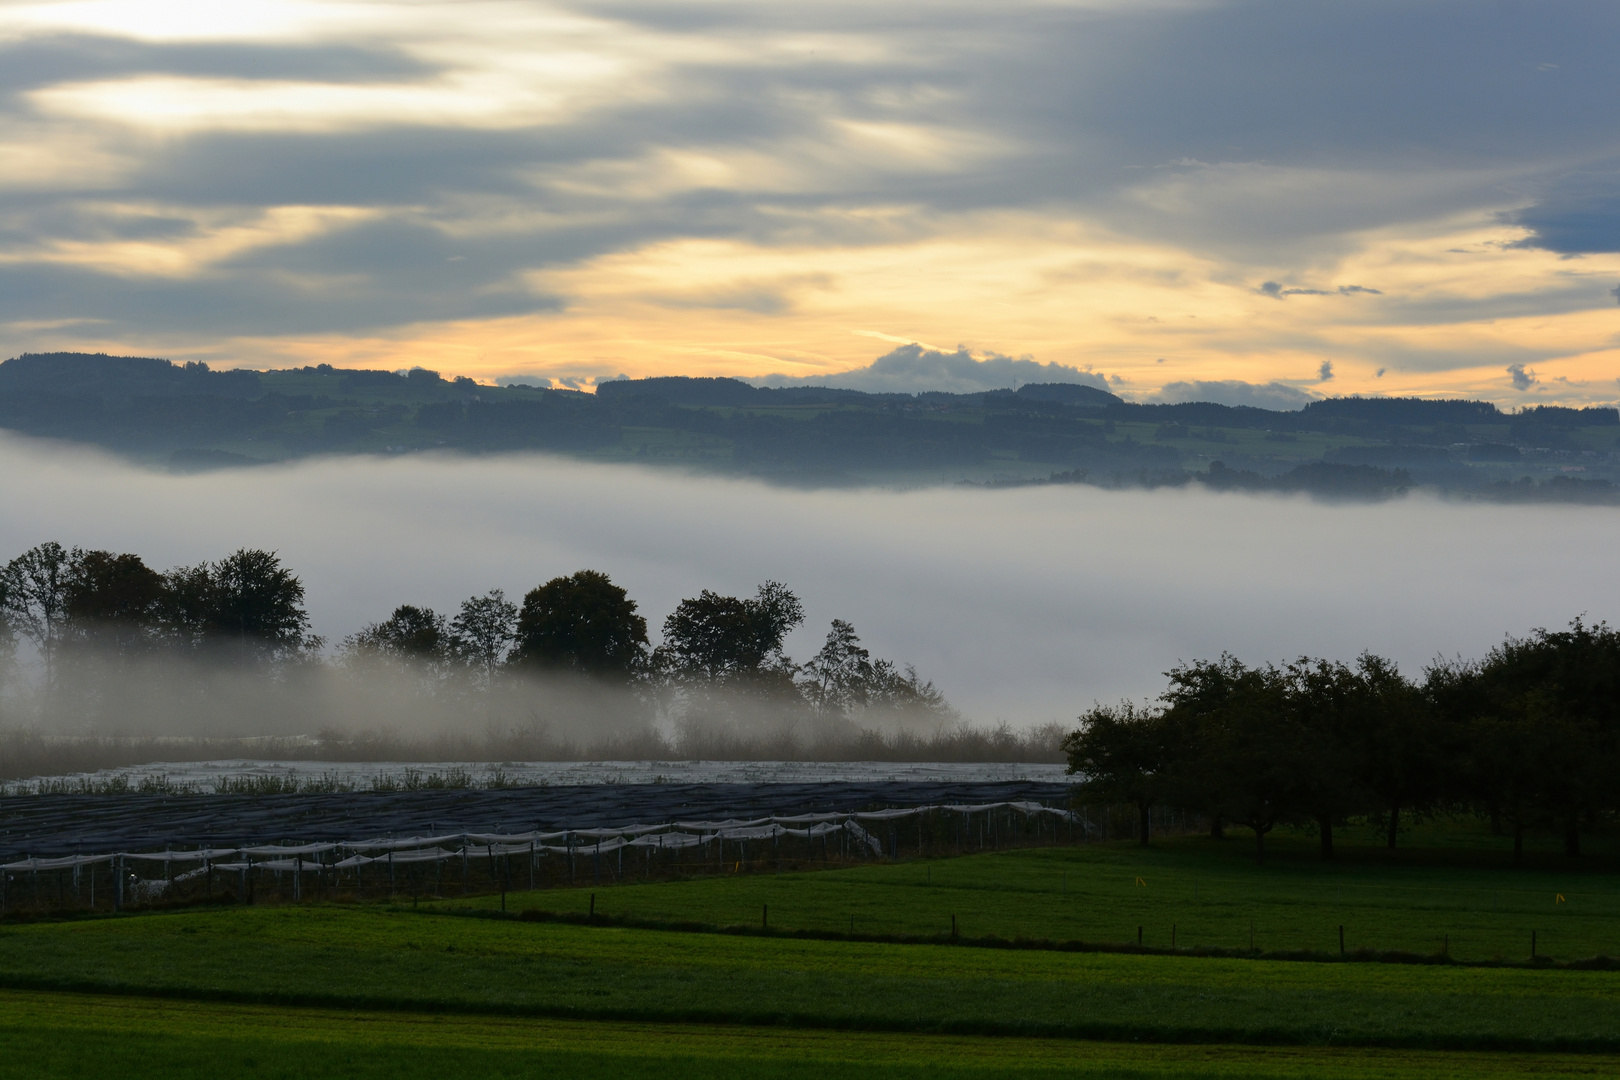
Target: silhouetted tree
x=36, y=597
x=247, y=603
x=414, y=638
x=1327, y=700
x=1504, y=747
x=1404, y=752
x=482, y=631
x=841, y=673
x=1195, y=695
x=113, y=599
x=902, y=690
x=1247, y=756
x=582, y=623
x=1558, y=693
x=8, y=642
x=1124, y=755
x=723, y=640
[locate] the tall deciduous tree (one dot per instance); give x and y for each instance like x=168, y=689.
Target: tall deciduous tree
x=8, y=640
x=415, y=639
x=113, y=600
x=722, y=640
x=1504, y=749
x=482, y=631
x=581, y=623
x=840, y=675
x=36, y=597
x=247, y=603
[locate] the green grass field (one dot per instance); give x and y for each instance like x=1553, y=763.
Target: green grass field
x=71, y=1036
x=450, y=987
x=376, y=958
x=1209, y=895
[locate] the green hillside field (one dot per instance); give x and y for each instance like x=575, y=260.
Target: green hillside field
x=758, y=975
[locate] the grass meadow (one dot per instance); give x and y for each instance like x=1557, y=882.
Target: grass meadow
x=1187, y=893
x=72, y=1036
x=453, y=986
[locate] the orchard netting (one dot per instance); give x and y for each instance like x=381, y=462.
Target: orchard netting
x=463, y=863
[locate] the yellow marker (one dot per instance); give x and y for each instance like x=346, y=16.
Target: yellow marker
x=1139, y=881
x=1560, y=898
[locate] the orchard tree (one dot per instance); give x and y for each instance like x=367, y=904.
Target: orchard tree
x=1246, y=757
x=1123, y=754
x=1404, y=755
x=1327, y=701
x=1562, y=689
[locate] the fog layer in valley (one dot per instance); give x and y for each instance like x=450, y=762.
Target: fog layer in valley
x=1022, y=605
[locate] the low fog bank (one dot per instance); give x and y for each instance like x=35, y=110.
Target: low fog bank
x=1022, y=605
x=109, y=709
x=55, y=764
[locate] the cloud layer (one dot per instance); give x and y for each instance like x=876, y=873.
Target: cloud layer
x=912, y=368
x=1272, y=395
x=574, y=189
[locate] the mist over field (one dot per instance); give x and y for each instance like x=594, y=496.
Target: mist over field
x=1022, y=605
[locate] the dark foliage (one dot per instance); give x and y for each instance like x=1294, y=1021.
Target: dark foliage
x=723, y=640
x=582, y=623
x=1529, y=736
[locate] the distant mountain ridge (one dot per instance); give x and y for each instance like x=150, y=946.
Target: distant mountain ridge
x=190, y=417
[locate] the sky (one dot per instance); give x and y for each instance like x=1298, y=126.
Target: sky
x=1260, y=200
x=1024, y=605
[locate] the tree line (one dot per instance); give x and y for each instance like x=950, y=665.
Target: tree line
x=88, y=608
x=1528, y=737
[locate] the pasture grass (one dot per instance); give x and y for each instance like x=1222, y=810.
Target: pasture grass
x=83, y=1035
x=378, y=958
x=92, y=1036
x=1460, y=899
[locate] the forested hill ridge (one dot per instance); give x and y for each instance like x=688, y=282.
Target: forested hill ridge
x=187, y=416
